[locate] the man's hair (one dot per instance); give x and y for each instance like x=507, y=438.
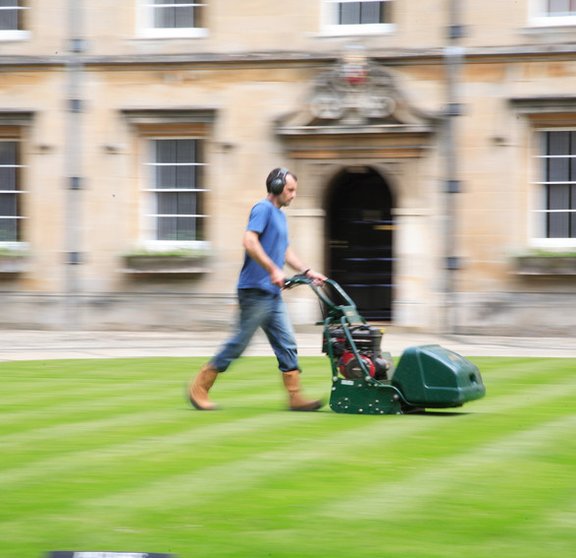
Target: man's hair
x=275, y=173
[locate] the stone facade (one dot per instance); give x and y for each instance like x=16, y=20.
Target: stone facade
x=362, y=118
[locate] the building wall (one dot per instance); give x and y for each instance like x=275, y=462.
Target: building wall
x=113, y=29
x=258, y=64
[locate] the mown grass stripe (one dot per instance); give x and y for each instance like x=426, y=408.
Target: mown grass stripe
x=123, y=410
x=126, y=420
x=146, y=445
x=246, y=473
x=47, y=396
x=443, y=474
x=238, y=475
x=536, y=395
x=509, y=372
x=563, y=517
x=136, y=421
x=528, y=396
x=96, y=398
x=28, y=419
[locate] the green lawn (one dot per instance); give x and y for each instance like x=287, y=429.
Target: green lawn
x=106, y=455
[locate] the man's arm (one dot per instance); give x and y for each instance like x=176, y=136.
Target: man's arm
x=254, y=249
x=296, y=264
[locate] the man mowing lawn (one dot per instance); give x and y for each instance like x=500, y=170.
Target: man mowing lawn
x=259, y=295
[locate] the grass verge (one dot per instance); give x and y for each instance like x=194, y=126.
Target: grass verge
x=106, y=455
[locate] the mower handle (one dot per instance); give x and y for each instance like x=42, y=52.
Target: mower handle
x=345, y=314
x=295, y=280
x=300, y=279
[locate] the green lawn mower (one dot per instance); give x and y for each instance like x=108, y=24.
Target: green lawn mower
x=365, y=380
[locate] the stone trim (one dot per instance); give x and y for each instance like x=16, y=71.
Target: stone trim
x=16, y=117
x=390, y=56
x=544, y=104
x=154, y=116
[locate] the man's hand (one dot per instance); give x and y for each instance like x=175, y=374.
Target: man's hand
x=277, y=277
x=317, y=278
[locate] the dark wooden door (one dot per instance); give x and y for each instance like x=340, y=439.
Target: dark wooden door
x=360, y=240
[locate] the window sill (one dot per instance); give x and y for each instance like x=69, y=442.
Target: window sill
x=10, y=264
x=543, y=23
x=6, y=36
x=350, y=30
x=165, y=265
x=545, y=265
x=169, y=33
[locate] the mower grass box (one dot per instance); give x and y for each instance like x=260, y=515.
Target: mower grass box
x=432, y=376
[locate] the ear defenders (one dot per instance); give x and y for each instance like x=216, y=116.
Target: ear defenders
x=278, y=181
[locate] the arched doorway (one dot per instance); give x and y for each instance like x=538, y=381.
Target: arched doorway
x=360, y=230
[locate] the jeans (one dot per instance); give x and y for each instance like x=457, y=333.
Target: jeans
x=259, y=308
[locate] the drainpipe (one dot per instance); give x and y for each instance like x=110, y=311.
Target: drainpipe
x=72, y=160
x=453, y=56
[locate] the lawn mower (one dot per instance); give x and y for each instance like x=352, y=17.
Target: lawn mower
x=365, y=379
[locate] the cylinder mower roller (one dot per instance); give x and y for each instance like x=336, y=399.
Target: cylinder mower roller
x=365, y=380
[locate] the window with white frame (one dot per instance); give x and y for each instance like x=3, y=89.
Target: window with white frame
x=12, y=20
x=559, y=8
x=353, y=17
x=557, y=186
x=172, y=18
x=10, y=192
x=553, y=12
x=175, y=190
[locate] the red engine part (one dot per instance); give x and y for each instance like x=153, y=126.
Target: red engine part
x=350, y=367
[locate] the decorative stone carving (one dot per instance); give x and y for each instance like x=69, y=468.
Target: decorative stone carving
x=354, y=93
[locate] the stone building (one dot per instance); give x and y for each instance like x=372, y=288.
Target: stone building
x=434, y=149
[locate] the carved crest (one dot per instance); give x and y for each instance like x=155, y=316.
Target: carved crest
x=356, y=92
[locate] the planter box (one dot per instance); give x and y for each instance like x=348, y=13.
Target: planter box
x=546, y=265
x=13, y=264
x=159, y=265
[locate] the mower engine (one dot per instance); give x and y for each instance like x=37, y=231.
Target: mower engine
x=346, y=358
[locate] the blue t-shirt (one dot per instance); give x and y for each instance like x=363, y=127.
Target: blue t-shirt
x=270, y=223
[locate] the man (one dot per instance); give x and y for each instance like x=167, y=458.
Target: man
x=259, y=295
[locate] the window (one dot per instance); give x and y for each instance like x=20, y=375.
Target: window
x=10, y=192
x=174, y=153
x=553, y=12
x=176, y=13
x=362, y=13
x=12, y=20
x=175, y=190
x=172, y=18
x=557, y=209
x=555, y=8
x=351, y=17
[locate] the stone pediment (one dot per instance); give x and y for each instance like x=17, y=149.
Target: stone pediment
x=358, y=96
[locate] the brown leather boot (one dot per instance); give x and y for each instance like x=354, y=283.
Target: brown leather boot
x=199, y=388
x=296, y=400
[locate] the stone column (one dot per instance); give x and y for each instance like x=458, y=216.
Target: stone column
x=415, y=261
x=307, y=239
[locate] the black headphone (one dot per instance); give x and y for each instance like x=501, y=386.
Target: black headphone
x=276, y=184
